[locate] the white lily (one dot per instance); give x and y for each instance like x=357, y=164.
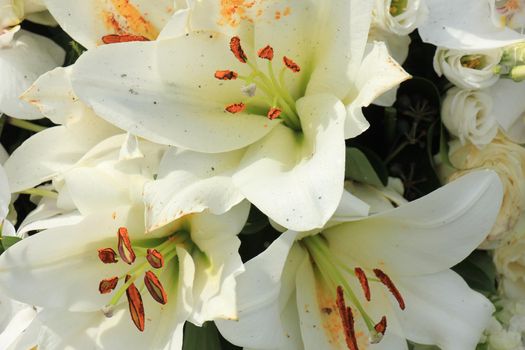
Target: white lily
x=188, y=267
x=15, y=317
x=97, y=22
x=301, y=286
x=56, y=149
x=22, y=60
x=192, y=92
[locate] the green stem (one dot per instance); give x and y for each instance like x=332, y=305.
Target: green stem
x=338, y=279
x=396, y=152
x=40, y=192
x=24, y=124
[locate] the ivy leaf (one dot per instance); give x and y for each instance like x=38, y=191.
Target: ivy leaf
x=201, y=338
x=359, y=168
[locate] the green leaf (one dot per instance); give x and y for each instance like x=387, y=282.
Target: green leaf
x=443, y=147
x=8, y=241
x=478, y=271
x=201, y=338
x=359, y=168
x=484, y=346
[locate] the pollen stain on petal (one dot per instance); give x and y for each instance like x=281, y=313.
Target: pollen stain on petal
x=330, y=320
x=125, y=18
x=233, y=12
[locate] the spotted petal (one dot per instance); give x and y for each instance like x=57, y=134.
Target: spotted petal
x=169, y=97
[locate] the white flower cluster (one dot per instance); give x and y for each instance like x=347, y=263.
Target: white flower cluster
x=481, y=51
x=183, y=117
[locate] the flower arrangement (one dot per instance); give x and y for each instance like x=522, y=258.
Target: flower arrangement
x=262, y=174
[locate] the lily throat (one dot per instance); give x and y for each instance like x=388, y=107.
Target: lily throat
x=331, y=271
x=275, y=96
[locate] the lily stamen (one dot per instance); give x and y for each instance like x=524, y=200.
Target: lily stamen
x=329, y=268
x=156, y=257
x=347, y=319
x=136, y=307
x=363, y=280
x=283, y=105
x=107, y=255
x=226, y=75
x=236, y=49
x=383, y=277
x=235, y=108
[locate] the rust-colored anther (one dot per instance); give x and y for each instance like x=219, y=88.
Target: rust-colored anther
x=117, y=38
x=291, y=65
x=155, y=258
x=380, y=327
x=361, y=276
x=136, y=307
x=266, y=53
x=391, y=287
x=235, y=108
x=124, y=246
x=107, y=285
x=226, y=75
x=274, y=113
x=107, y=255
x=236, y=48
x=347, y=319
x=155, y=288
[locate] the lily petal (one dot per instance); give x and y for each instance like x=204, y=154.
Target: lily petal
x=411, y=239
x=443, y=310
x=191, y=182
x=306, y=172
x=258, y=299
x=214, y=285
x=378, y=73
x=88, y=21
x=69, y=144
x=53, y=95
x=167, y=97
x=54, y=259
x=28, y=56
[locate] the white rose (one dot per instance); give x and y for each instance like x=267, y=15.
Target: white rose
x=468, y=70
x=399, y=17
x=508, y=160
x=467, y=115
x=509, y=259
